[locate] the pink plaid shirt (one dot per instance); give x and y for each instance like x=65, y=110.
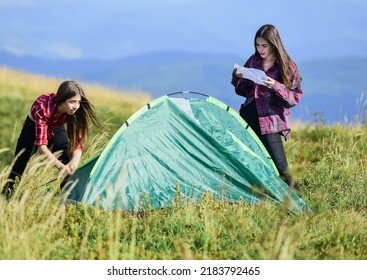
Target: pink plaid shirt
x=44, y=114
x=273, y=105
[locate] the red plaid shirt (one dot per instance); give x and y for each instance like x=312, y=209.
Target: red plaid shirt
x=44, y=114
x=273, y=105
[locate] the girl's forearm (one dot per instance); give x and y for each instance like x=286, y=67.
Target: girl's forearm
x=76, y=156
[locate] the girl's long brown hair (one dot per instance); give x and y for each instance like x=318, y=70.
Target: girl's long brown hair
x=288, y=68
x=78, y=124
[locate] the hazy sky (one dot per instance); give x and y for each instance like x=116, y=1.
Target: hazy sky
x=116, y=28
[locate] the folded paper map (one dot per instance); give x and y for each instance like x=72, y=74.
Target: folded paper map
x=252, y=74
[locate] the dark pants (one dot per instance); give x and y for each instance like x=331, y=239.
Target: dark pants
x=26, y=146
x=272, y=142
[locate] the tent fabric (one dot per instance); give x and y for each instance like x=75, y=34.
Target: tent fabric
x=191, y=145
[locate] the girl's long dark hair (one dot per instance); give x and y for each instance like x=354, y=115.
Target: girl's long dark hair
x=78, y=124
x=288, y=68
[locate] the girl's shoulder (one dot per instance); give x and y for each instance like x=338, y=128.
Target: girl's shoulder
x=44, y=102
x=45, y=99
x=47, y=96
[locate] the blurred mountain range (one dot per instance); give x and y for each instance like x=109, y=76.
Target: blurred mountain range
x=333, y=89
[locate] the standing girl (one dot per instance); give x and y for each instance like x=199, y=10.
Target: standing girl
x=44, y=130
x=267, y=107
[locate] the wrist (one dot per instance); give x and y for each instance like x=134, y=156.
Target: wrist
x=59, y=165
x=72, y=167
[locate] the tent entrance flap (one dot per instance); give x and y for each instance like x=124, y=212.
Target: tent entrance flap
x=78, y=181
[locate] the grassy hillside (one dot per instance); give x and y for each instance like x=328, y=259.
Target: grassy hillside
x=332, y=87
x=329, y=162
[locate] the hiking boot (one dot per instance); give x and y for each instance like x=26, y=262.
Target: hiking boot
x=8, y=190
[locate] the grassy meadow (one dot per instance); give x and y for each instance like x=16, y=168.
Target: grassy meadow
x=329, y=162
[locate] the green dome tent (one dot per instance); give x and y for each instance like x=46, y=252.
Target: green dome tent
x=178, y=143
